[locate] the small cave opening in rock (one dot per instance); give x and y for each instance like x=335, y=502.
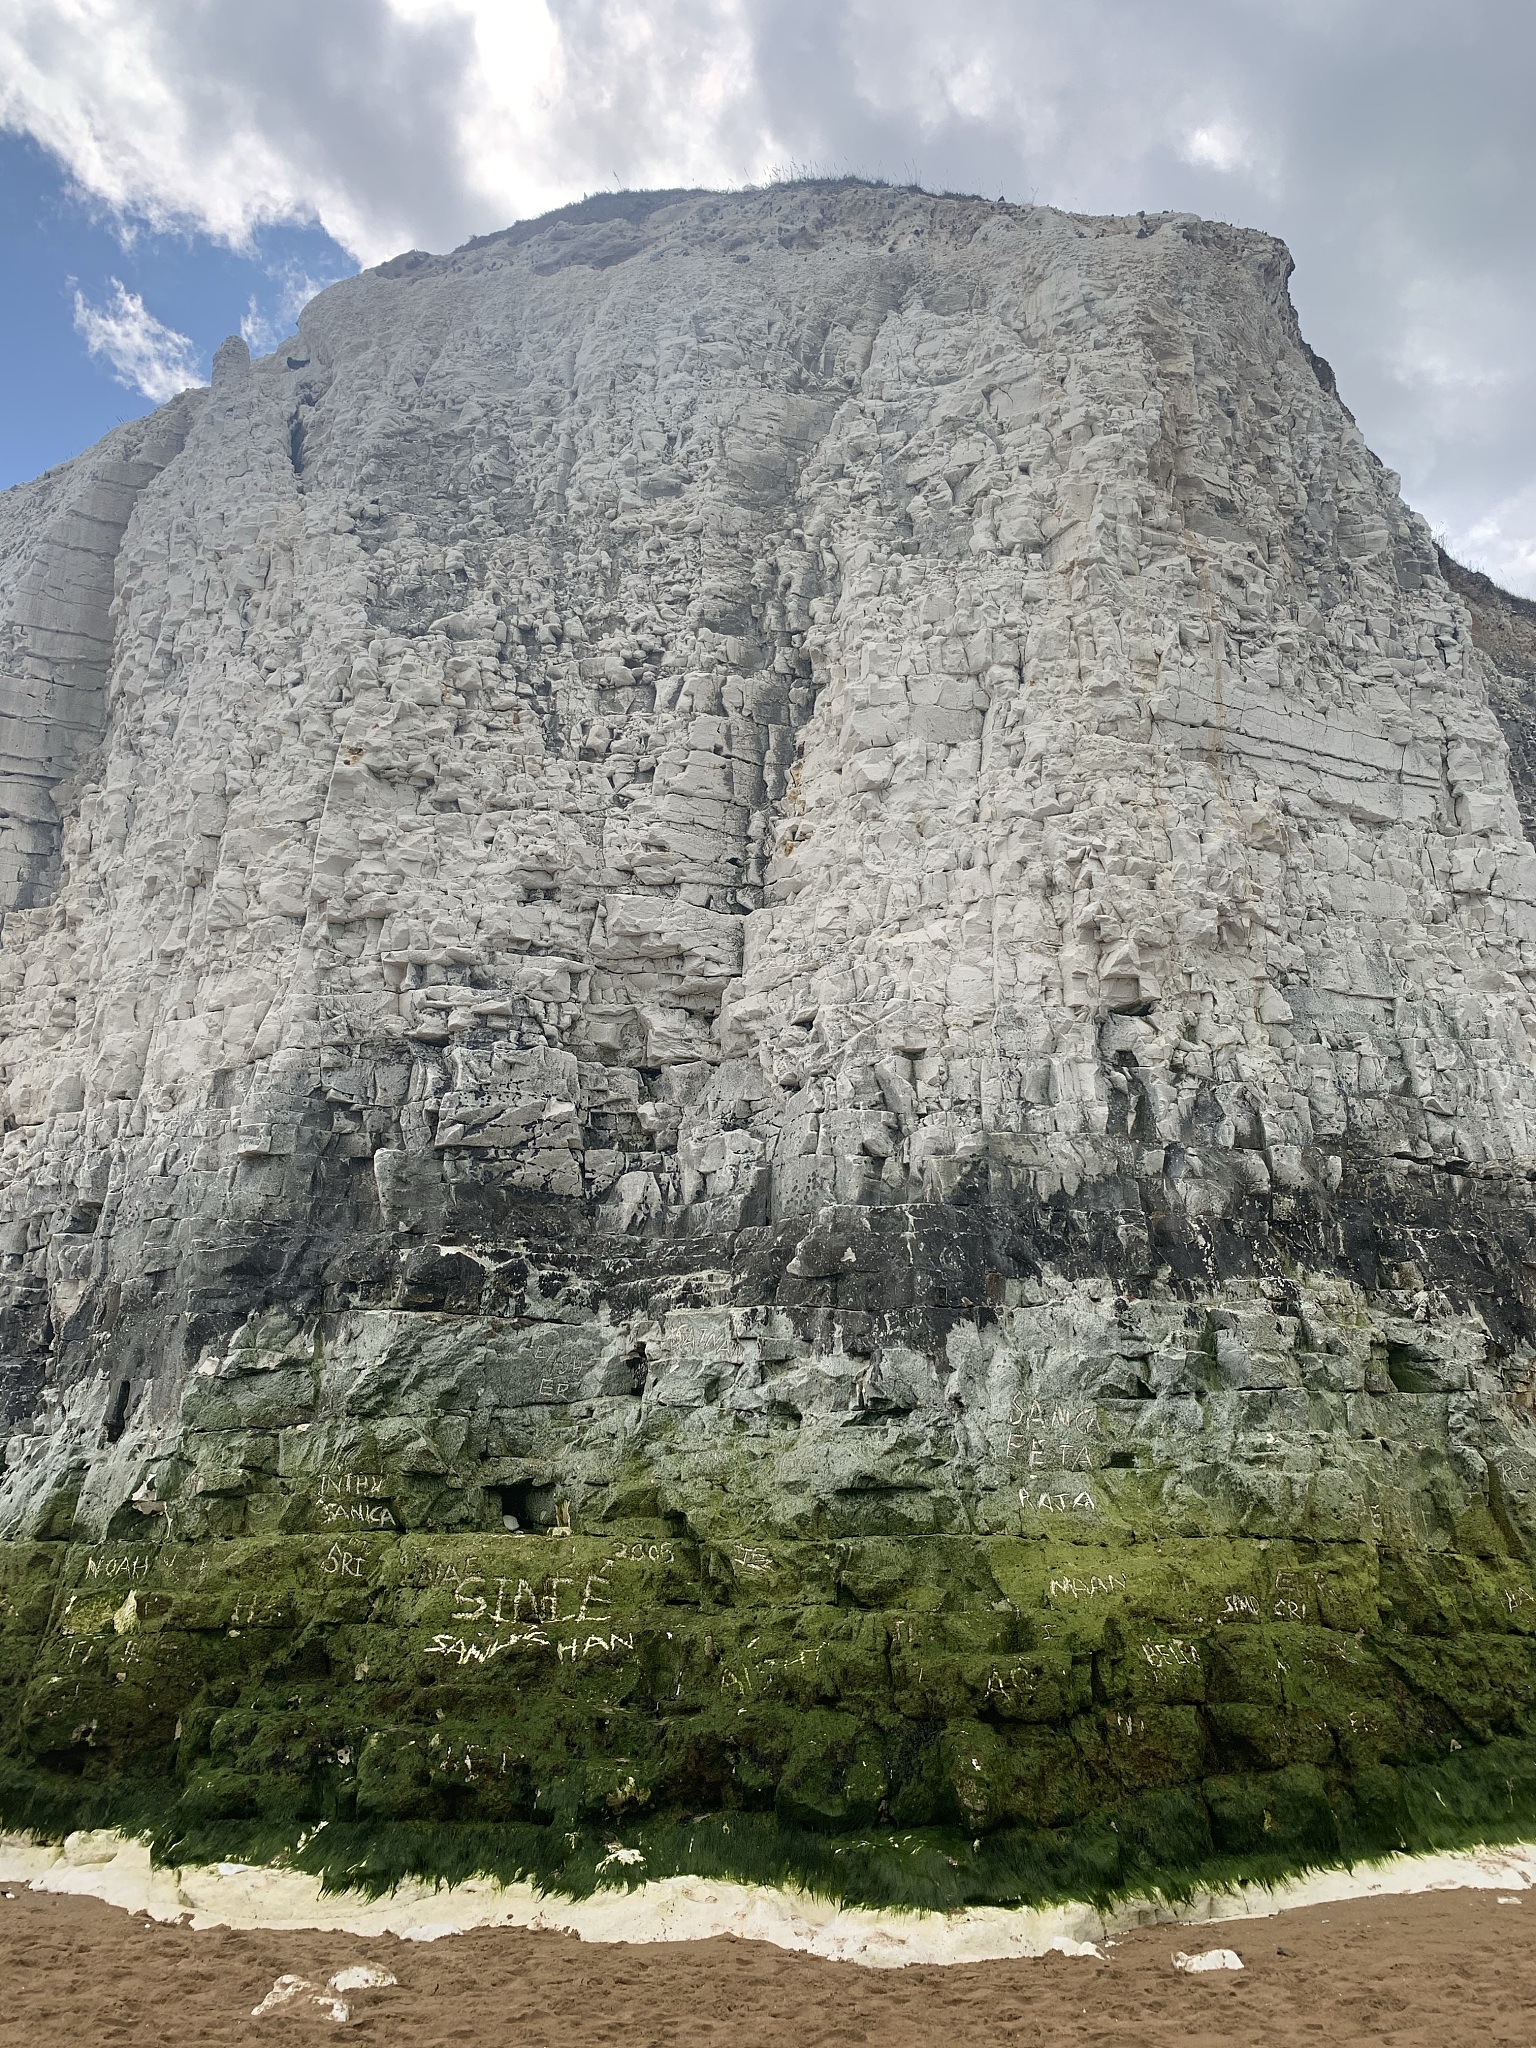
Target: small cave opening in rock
x=526, y=1506
x=117, y=1421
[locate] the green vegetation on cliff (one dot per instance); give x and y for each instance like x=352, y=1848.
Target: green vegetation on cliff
x=924, y=1721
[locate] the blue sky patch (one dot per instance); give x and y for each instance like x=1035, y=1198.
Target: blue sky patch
x=154, y=304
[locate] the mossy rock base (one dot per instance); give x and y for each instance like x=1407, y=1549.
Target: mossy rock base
x=926, y=1720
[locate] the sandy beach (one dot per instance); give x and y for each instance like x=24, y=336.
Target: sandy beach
x=1438, y=1969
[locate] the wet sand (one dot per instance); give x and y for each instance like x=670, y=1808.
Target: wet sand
x=1439, y=1969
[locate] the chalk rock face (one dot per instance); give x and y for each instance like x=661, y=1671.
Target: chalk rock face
x=59, y=541
x=826, y=865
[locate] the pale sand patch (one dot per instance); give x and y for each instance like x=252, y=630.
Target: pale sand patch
x=101, y=1864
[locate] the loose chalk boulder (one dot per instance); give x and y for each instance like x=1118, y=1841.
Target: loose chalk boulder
x=361, y=1977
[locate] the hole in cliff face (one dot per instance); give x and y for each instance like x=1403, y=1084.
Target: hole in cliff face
x=525, y=1506
x=1411, y=1373
x=296, y=447
x=1248, y=1128
x=117, y=1421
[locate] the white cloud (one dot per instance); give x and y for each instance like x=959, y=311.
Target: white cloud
x=1502, y=543
x=388, y=122
x=224, y=118
x=145, y=354
x=1218, y=145
x=263, y=326
x=258, y=330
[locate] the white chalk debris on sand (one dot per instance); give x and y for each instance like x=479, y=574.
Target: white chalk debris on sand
x=290, y=1990
x=293, y=1990
x=362, y=1977
x=1209, y=1959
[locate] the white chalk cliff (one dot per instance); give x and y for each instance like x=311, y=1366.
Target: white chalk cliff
x=819, y=890
x=819, y=769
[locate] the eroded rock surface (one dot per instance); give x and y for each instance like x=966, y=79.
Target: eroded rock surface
x=810, y=868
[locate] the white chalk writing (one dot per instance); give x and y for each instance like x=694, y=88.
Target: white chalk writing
x=123, y=1564
x=1170, y=1656
x=485, y=1649
x=1019, y=1679
x=365, y=1514
x=608, y=1644
x=742, y=1679
x=527, y=1602
x=747, y=1557
x=1031, y=1415
x=353, y=1485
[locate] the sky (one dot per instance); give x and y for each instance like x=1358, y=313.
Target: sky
x=172, y=171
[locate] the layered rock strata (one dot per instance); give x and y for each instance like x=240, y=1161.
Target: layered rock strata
x=767, y=1035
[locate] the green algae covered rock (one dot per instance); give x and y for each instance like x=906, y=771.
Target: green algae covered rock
x=1267, y=1699
x=517, y=1591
